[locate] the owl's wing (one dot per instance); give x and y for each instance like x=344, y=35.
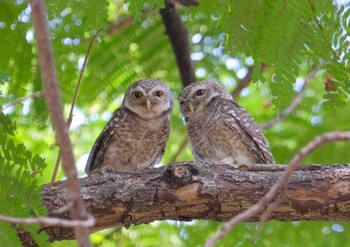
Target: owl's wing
x=241, y=122
x=99, y=148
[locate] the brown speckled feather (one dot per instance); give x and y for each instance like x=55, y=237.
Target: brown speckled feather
x=138, y=132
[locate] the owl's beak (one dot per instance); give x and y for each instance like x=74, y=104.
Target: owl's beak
x=148, y=104
x=191, y=107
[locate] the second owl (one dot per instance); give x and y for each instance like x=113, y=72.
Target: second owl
x=220, y=130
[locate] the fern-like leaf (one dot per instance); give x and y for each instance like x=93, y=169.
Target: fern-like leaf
x=19, y=191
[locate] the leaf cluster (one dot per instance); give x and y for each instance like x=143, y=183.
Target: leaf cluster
x=19, y=191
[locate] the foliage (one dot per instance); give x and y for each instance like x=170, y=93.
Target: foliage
x=19, y=191
x=291, y=38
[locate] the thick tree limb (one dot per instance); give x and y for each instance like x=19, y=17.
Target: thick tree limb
x=186, y=191
x=178, y=37
x=279, y=188
x=51, y=93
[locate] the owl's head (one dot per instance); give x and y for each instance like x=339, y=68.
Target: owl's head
x=196, y=96
x=148, y=98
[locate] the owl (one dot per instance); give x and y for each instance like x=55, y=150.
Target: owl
x=138, y=132
x=220, y=130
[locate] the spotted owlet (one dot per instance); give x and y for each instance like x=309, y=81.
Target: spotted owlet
x=220, y=130
x=138, y=132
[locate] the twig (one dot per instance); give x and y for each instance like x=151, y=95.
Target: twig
x=180, y=149
x=123, y=21
x=246, y=80
x=243, y=83
x=47, y=221
x=295, y=102
x=63, y=209
x=265, y=216
x=19, y=100
x=51, y=93
x=279, y=185
x=70, y=116
x=178, y=36
x=57, y=165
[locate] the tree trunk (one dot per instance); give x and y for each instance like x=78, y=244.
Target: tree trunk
x=186, y=191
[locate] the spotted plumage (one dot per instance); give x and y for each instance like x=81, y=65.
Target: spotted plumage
x=220, y=130
x=138, y=132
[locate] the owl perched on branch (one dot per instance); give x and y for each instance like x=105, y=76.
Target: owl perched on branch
x=220, y=130
x=138, y=132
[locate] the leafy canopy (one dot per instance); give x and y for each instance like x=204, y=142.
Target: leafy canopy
x=288, y=38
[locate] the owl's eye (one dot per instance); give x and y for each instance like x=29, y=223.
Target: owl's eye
x=159, y=94
x=136, y=95
x=200, y=92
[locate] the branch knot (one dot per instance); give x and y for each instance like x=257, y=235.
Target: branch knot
x=179, y=175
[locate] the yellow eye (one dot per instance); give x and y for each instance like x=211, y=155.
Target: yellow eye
x=159, y=94
x=200, y=92
x=136, y=95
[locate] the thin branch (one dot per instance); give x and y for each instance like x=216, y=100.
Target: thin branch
x=123, y=21
x=47, y=221
x=70, y=116
x=295, y=102
x=178, y=36
x=265, y=216
x=51, y=93
x=243, y=83
x=180, y=149
x=246, y=80
x=280, y=185
x=20, y=100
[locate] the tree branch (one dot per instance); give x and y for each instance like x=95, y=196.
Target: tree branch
x=180, y=149
x=21, y=99
x=243, y=83
x=51, y=93
x=46, y=221
x=282, y=187
x=178, y=36
x=186, y=191
x=70, y=115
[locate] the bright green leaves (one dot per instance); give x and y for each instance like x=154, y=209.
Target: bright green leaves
x=16, y=57
x=8, y=236
x=19, y=191
x=283, y=34
x=82, y=16
x=4, y=77
x=334, y=100
x=136, y=9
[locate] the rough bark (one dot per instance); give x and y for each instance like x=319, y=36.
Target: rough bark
x=53, y=101
x=186, y=191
